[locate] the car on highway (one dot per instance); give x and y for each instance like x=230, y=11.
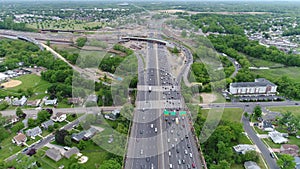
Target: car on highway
x=194, y=165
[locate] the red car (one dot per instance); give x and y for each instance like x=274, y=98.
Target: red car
x=193, y=165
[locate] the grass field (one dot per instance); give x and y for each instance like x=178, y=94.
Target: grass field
x=262, y=63
x=293, y=109
x=272, y=74
x=31, y=81
x=229, y=114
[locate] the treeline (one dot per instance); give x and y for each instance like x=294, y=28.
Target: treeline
x=123, y=49
x=252, y=48
x=8, y=23
x=288, y=87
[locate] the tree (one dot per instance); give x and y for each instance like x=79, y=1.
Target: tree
x=183, y=33
x=286, y=161
x=110, y=164
x=31, y=122
x=246, y=114
x=250, y=156
x=68, y=140
x=257, y=111
x=60, y=136
x=51, y=128
x=20, y=113
x=76, y=166
x=43, y=116
x=81, y=145
x=17, y=127
x=222, y=165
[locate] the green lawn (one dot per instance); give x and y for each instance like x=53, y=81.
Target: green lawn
x=293, y=109
x=8, y=148
x=291, y=72
x=229, y=114
x=271, y=143
x=95, y=154
x=31, y=81
x=262, y=63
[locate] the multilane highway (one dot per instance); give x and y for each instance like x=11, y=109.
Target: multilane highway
x=158, y=141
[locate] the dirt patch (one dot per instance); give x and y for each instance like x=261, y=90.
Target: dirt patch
x=208, y=97
x=11, y=83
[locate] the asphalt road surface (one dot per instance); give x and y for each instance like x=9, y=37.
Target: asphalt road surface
x=158, y=141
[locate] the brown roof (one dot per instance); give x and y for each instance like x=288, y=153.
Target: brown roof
x=20, y=137
x=289, y=149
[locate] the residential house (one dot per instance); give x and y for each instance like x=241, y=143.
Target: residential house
x=90, y=133
x=75, y=100
x=48, y=123
x=251, y=165
x=78, y=136
x=3, y=77
x=297, y=161
x=54, y=154
x=243, y=148
x=290, y=149
x=84, y=135
x=19, y=102
x=34, y=132
x=113, y=115
x=74, y=150
x=34, y=103
x=267, y=126
x=19, y=139
x=277, y=137
x=59, y=117
x=50, y=102
x=11, y=120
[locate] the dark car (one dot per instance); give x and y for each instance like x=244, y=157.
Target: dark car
x=148, y=159
x=272, y=155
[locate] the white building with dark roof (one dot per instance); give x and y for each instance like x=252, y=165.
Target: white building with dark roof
x=260, y=86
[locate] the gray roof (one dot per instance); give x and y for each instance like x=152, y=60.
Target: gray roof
x=261, y=82
x=54, y=154
x=251, y=165
x=90, y=132
x=78, y=136
x=48, y=123
x=72, y=151
x=34, y=131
